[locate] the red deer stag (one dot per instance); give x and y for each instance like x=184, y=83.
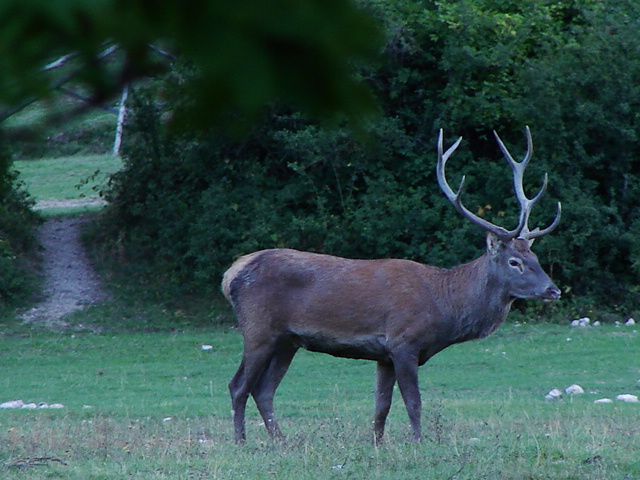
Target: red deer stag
x=398, y=313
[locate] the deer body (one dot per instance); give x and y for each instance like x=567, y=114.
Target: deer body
x=356, y=308
x=396, y=312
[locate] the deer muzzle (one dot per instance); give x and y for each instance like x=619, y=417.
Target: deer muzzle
x=551, y=293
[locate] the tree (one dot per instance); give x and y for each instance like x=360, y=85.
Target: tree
x=246, y=52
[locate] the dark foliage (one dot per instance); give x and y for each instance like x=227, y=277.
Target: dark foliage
x=569, y=70
x=17, y=241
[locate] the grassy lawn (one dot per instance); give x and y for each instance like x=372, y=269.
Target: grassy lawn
x=52, y=180
x=60, y=126
x=155, y=405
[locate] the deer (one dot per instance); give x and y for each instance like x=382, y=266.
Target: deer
x=396, y=312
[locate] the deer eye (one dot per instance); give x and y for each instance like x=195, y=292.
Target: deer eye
x=516, y=263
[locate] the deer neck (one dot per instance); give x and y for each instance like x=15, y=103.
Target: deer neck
x=479, y=299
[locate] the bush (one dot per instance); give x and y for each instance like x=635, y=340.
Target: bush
x=191, y=204
x=17, y=240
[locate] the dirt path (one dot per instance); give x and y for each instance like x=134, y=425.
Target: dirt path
x=79, y=202
x=70, y=281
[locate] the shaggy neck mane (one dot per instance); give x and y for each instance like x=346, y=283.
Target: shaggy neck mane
x=478, y=299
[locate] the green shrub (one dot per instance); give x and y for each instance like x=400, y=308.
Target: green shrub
x=17, y=240
x=191, y=204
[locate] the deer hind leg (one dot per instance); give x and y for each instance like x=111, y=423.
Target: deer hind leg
x=254, y=362
x=237, y=378
x=265, y=388
x=406, y=370
x=385, y=380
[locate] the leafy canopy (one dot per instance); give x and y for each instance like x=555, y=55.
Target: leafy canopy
x=246, y=52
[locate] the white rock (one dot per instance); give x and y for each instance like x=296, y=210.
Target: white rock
x=206, y=347
x=56, y=405
x=596, y=323
x=29, y=406
x=43, y=405
x=574, y=389
x=12, y=404
x=630, y=322
x=554, y=395
x=626, y=397
x=603, y=400
x=581, y=322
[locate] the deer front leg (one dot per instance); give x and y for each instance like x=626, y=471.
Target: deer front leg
x=385, y=380
x=406, y=370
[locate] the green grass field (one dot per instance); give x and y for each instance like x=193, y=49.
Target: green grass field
x=155, y=405
x=144, y=401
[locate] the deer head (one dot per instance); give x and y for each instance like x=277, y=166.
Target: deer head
x=509, y=250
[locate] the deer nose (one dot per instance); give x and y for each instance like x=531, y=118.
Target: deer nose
x=553, y=292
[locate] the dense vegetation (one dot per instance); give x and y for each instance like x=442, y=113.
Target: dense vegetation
x=190, y=204
x=17, y=241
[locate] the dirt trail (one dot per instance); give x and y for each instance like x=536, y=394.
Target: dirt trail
x=70, y=281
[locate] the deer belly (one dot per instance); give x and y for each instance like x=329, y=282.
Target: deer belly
x=365, y=347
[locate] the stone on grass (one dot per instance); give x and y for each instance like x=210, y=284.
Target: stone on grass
x=19, y=404
x=581, y=322
x=574, y=389
x=603, y=400
x=554, y=395
x=626, y=397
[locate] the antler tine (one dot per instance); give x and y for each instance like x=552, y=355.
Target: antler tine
x=505, y=151
x=526, y=204
x=518, y=177
x=456, y=197
x=536, y=232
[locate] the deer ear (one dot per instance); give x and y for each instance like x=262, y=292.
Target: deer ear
x=531, y=240
x=494, y=244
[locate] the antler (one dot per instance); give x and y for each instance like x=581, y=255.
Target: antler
x=526, y=204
